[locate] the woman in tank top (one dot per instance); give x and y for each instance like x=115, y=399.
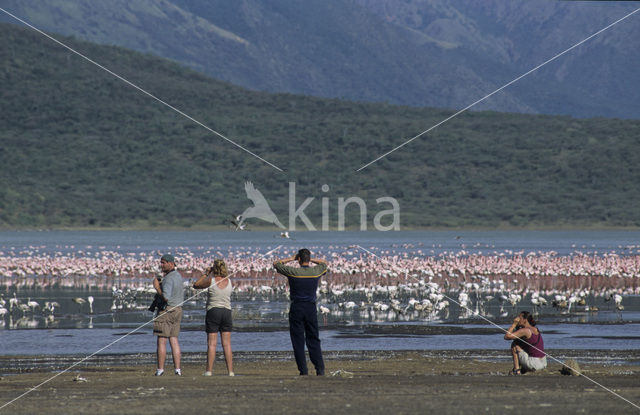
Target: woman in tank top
x=527, y=348
x=218, y=319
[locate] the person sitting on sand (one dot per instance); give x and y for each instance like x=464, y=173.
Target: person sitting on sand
x=527, y=348
x=218, y=317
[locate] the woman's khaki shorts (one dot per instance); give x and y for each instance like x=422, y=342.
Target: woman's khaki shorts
x=167, y=324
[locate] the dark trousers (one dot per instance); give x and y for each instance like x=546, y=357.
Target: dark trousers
x=303, y=327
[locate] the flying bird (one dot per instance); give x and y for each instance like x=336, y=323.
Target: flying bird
x=237, y=222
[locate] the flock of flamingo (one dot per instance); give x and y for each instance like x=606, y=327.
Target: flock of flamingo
x=377, y=284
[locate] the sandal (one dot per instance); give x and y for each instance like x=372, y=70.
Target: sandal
x=515, y=372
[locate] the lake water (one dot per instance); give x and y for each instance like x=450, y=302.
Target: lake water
x=262, y=324
x=486, y=242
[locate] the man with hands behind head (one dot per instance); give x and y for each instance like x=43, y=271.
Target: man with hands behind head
x=303, y=315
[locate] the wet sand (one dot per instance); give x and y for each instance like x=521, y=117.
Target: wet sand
x=449, y=382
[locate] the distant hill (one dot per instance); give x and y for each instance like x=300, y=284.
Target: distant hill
x=80, y=148
x=436, y=53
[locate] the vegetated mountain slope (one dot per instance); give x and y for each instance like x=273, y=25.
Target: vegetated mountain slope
x=81, y=148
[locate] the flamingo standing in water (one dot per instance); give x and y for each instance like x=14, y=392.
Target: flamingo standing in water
x=619, y=307
x=33, y=305
x=13, y=302
x=79, y=301
x=324, y=311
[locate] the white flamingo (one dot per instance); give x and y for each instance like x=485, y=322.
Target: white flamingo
x=618, y=300
x=572, y=300
x=13, y=302
x=79, y=301
x=33, y=305
x=53, y=305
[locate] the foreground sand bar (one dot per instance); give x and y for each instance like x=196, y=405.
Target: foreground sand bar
x=397, y=382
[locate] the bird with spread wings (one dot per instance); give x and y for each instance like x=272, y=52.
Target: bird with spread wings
x=235, y=221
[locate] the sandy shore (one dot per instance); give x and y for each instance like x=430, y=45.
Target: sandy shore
x=396, y=382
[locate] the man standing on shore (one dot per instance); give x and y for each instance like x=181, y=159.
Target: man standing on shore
x=167, y=323
x=303, y=315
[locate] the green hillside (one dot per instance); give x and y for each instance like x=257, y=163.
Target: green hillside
x=81, y=148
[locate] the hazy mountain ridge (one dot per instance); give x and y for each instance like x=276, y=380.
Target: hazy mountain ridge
x=417, y=52
x=519, y=35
